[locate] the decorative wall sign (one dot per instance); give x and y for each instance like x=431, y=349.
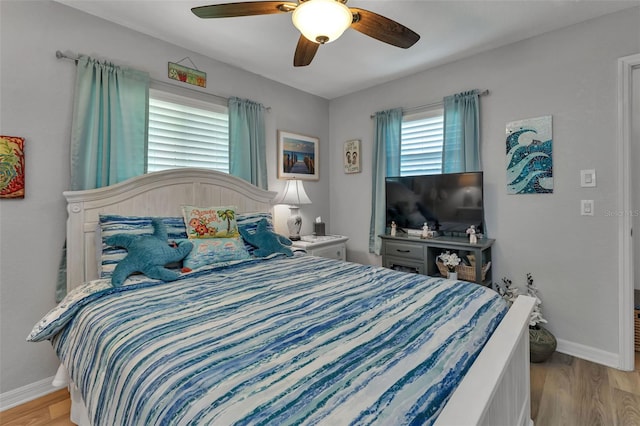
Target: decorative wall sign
x=297, y=156
x=351, y=156
x=11, y=167
x=187, y=75
x=529, y=156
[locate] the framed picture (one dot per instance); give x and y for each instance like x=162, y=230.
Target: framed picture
x=11, y=167
x=297, y=156
x=351, y=156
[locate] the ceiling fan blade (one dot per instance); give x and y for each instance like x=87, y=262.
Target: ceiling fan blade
x=229, y=10
x=305, y=51
x=383, y=29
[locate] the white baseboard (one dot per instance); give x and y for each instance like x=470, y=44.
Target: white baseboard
x=589, y=353
x=26, y=393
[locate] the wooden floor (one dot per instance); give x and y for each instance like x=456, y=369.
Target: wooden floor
x=52, y=409
x=565, y=391
x=569, y=391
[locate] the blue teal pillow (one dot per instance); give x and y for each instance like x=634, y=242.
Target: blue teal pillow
x=207, y=251
x=111, y=225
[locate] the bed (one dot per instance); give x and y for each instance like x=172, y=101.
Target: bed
x=275, y=340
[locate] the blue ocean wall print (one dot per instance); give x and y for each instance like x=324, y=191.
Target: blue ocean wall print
x=530, y=156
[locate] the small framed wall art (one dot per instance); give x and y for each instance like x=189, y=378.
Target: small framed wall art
x=297, y=156
x=11, y=167
x=351, y=156
x=187, y=75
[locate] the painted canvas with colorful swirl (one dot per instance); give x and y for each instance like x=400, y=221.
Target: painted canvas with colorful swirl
x=11, y=167
x=530, y=156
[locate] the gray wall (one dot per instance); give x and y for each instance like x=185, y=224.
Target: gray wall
x=36, y=103
x=570, y=74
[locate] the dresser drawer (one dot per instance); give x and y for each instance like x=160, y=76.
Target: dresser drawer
x=404, y=265
x=405, y=249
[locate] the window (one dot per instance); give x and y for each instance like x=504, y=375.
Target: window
x=185, y=132
x=421, y=143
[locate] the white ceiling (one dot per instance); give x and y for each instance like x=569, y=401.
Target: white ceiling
x=264, y=45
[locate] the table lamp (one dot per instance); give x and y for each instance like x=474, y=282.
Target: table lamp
x=294, y=196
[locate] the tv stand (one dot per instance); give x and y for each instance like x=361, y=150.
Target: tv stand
x=414, y=254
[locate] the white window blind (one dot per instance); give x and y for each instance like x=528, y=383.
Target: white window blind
x=185, y=132
x=421, y=144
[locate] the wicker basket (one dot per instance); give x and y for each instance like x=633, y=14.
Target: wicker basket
x=465, y=273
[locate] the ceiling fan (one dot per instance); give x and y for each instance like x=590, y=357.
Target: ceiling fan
x=319, y=21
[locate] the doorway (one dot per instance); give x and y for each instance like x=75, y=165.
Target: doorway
x=628, y=201
x=635, y=178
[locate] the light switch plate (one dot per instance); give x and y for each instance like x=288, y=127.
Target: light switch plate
x=586, y=207
x=587, y=178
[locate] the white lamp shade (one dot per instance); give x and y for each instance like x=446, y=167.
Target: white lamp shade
x=294, y=194
x=322, y=21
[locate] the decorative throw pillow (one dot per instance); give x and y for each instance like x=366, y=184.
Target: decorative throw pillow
x=210, y=222
x=111, y=225
x=248, y=223
x=207, y=251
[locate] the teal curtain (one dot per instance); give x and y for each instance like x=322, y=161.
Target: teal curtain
x=109, y=127
x=108, y=131
x=461, y=148
x=386, y=162
x=247, y=140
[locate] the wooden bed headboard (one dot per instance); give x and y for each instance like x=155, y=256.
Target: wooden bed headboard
x=154, y=194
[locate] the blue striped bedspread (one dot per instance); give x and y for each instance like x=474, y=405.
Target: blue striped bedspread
x=299, y=340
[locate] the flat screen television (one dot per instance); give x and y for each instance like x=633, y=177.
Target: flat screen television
x=449, y=203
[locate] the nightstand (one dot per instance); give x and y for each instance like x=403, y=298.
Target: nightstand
x=330, y=246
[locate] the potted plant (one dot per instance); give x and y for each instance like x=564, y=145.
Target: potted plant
x=542, y=343
x=450, y=260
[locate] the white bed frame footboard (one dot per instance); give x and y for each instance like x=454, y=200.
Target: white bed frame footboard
x=495, y=390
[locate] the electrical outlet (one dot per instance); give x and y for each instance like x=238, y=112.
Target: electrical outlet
x=586, y=207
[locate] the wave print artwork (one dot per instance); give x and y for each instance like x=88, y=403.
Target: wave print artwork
x=529, y=147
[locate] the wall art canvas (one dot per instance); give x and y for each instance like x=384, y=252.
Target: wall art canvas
x=11, y=167
x=530, y=156
x=297, y=156
x=351, y=156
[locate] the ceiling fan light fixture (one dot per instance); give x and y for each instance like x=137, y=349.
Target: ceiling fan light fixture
x=322, y=21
